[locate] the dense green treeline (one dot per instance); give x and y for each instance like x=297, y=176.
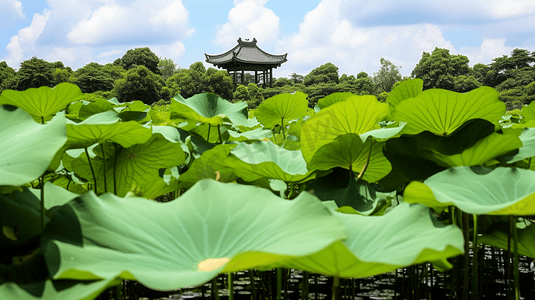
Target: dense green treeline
x=141, y=75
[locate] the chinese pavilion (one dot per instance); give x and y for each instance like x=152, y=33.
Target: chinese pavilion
x=246, y=56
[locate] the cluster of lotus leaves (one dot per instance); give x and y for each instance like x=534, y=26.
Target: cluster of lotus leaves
x=104, y=159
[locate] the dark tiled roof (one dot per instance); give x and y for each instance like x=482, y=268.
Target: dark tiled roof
x=246, y=52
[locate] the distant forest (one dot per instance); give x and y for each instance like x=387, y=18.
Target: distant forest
x=141, y=75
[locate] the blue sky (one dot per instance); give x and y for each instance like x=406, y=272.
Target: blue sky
x=352, y=34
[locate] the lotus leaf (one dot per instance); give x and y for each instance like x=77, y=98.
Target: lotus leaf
x=27, y=148
x=529, y=112
x=349, y=152
x=188, y=241
x=211, y=164
x=527, y=136
x=137, y=167
x=251, y=135
x=208, y=108
x=497, y=235
x=282, y=108
x=484, y=150
x=407, y=235
x=56, y=289
x=358, y=114
x=260, y=160
x=504, y=191
x=332, y=98
x=442, y=112
x=93, y=108
x=43, y=102
x=405, y=90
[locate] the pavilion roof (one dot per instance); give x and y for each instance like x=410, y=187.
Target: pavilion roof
x=246, y=52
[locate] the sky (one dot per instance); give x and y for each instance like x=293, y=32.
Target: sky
x=352, y=34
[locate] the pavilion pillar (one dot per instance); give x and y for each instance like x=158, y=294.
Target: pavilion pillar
x=242, y=76
x=235, y=80
x=264, y=81
x=270, y=77
x=256, y=77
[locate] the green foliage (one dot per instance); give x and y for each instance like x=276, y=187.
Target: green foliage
x=94, y=77
x=34, y=73
x=439, y=69
x=167, y=67
x=139, y=84
x=327, y=73
x=7, y=75
x=387, y=75
x=463, y=83
x=139, y=57
x=196, y=79
x=282, y=82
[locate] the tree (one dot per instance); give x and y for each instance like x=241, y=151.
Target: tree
x=463, y=83
x=34, y=73
x=387, y=75
x=94, y=77
x=218, y=82
x=139, y=57
x=296, y=78
x=252, y=94
x=439, y=69
x=139, y=84
x=282, y=82
x=7, y=76
x=167, y=67
x=327, y=73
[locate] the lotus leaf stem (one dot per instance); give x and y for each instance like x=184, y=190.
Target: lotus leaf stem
x=115, y=169
x=215, y=289
x=279, y=283
x=367, y=161
x=92, y=170
x=282, y=127
x=466, y=261
x=104, y=168
x=475, y=249
x=42, y=182
x=253, y=289
x=515, y=261
x=230, y=285
x=219, y=131
x=337, y=295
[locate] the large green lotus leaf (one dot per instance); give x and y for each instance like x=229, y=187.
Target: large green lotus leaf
x=407, y=235
x=504, y=191
x=527, y=150
x=358, y=114
x=282, y=107
x=56, y=289
x=484, y=150
x=166, y=246
x=349, y=152
x=93, y=108
x=137, y=167
x=333, y=98
x=211, y=164
x=528, y=112
x=251, y=135
x=405, y=90
x=43, y=102
x=497, y=235
x=67, y=182
x=260, y=159
x=106, y=127
x=20, y=222
x=463, y=138
x=442, y=112
x=27, y=148
x=54, y=195
x=384, y=133
x=208, y=108
x=363, y=198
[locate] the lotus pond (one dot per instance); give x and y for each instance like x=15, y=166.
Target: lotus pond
x=426, y=196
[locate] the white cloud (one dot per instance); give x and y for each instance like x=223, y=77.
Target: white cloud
x=10, y=12
x=24, y=41
x=489, y=49
x=138, y=22
x=326, y=36
x=248, y=19
x=109, y=53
